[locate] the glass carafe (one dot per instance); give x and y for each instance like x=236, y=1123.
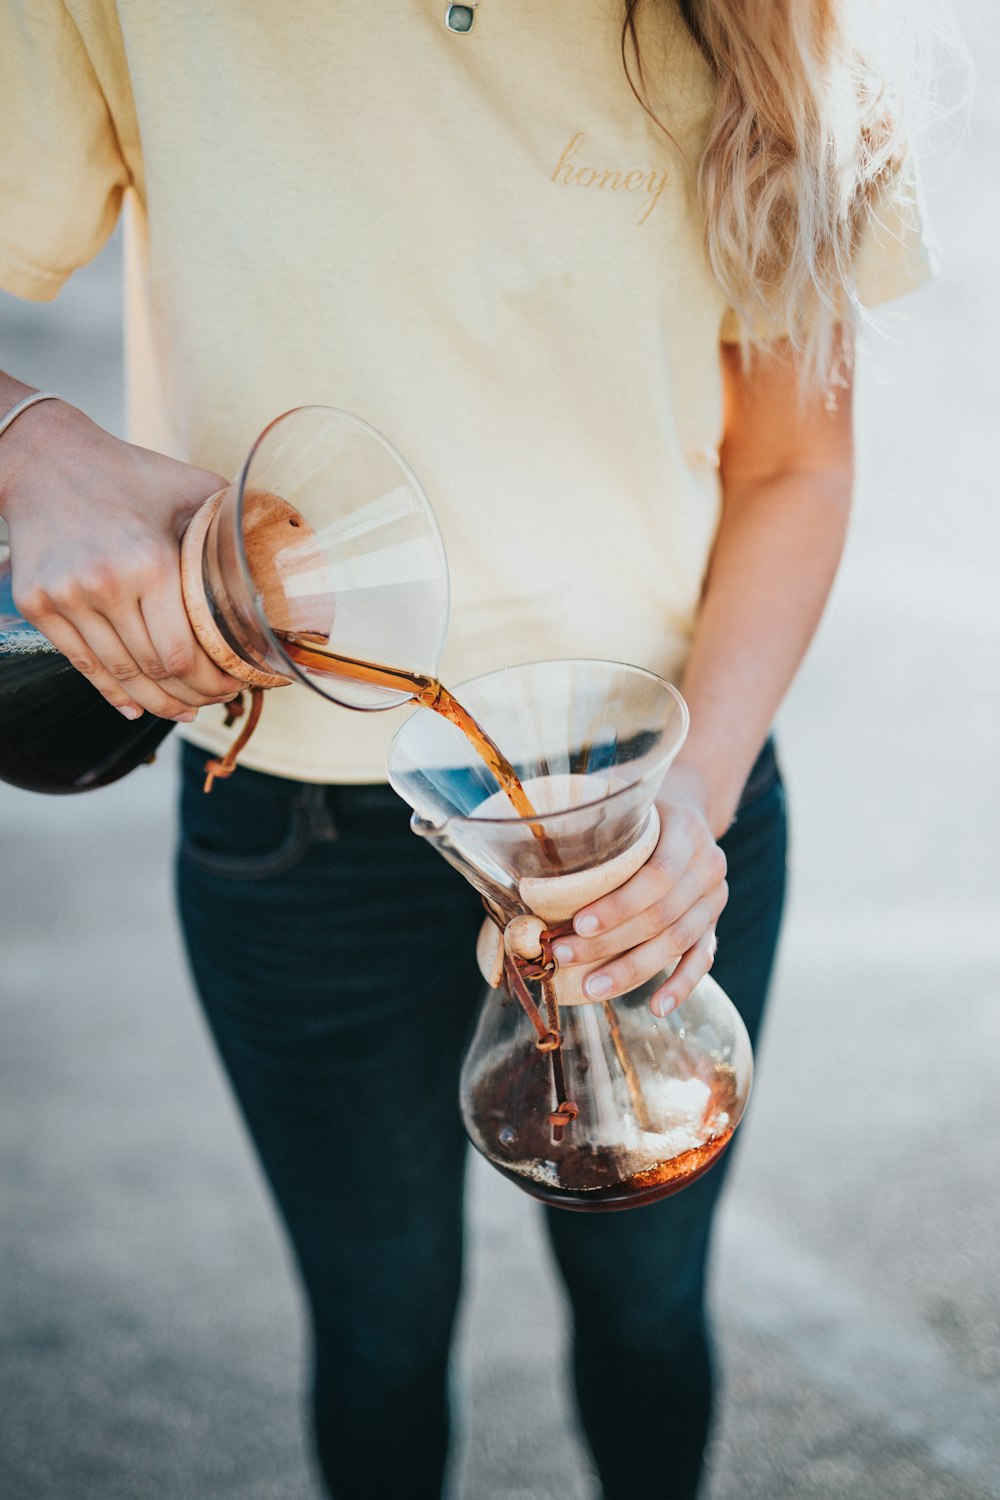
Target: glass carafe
x=584, y=1104
x=321, y=558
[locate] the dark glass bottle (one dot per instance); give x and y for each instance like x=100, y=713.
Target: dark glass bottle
x=57, y=734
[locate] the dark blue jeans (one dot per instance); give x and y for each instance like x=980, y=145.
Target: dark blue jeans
x=307, y=912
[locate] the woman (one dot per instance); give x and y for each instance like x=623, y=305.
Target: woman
x=597, y=275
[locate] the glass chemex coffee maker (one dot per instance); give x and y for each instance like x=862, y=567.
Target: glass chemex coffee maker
x=320, y=561
x=323, y=564
x=584, y=1104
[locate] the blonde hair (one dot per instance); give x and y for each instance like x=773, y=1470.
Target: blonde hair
x=805, y=134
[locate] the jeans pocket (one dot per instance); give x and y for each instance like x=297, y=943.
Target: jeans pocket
x=249, y=827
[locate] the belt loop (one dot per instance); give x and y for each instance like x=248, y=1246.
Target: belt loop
x=319, y=815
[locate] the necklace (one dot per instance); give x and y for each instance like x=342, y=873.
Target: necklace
x=460, y=18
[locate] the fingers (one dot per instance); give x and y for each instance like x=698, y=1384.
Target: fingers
x=689, y=972
x=664, y=917
x=138, y=656
x=102, y=657
x=67, y=639
x=171, y=677
x=645, y=963
x=637, y=965
x=180, y=664
x=675, y=915
x=147, y=664
x=686, y=853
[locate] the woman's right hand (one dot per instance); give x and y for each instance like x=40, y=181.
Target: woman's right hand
x=95, y=528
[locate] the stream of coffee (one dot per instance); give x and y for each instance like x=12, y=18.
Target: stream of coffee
x=429, y=692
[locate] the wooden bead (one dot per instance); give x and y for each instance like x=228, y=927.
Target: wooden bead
x=523, y=936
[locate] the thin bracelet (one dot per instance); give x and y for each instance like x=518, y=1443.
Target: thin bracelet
x=21, y=406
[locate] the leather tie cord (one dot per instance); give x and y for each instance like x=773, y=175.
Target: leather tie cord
x=548, y=1037
x=235, y=710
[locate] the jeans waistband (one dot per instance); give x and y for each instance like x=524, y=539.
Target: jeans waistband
x=374, y=808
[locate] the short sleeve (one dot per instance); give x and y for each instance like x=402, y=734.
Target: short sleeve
x=895, y=254
x=62, y=174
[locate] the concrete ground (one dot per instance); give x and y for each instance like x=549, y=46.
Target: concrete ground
x=151, y=1345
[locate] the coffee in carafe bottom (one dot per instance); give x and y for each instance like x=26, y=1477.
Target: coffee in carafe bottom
x=507, y=1114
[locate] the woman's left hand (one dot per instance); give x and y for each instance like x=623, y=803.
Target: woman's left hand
x=664, y=915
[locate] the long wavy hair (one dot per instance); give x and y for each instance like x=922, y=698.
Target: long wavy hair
x=805, y=133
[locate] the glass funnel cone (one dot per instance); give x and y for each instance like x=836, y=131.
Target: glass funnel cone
x=324, y=562
x=585, y=1104
x=590, y=742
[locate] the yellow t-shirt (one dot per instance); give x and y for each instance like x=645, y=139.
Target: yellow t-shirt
x=479, y=242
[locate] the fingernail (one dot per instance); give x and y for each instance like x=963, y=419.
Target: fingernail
x=585, y=926
x=562, y=953
x=185, y=718
x=598, y=986
x=127, y=711
x=663, y=1005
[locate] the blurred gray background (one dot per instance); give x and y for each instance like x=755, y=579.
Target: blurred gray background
x=151, y=1340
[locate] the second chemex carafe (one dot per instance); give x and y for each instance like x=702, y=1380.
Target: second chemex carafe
x=321, y=561
x=584, y=1104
